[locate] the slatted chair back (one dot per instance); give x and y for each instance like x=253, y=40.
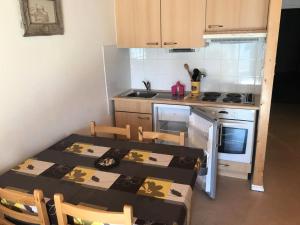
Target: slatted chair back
x=90, y=214
x=110, y=130
x=36, y=200
x=177, y=139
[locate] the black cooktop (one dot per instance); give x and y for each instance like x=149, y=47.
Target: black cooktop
x=227, y=97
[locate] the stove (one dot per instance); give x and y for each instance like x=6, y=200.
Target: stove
x=210, y=96
x=219, y=97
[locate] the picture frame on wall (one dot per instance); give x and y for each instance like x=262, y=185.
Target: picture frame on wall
x=42, y=17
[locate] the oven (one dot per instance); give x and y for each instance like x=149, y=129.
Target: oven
x=236, y=142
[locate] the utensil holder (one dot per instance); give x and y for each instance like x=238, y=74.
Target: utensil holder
x=195, y=88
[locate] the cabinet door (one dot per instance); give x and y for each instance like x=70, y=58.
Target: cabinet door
x=203, y=133
x=222, y=15
x=138, y=23
x=254, y=14
x=236, y=15
x=134, y=120
x=183, y=23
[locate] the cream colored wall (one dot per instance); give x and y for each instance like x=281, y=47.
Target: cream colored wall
x=51, y=86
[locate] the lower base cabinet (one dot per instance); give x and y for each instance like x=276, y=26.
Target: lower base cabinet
x=135, y=120
x=234, y=169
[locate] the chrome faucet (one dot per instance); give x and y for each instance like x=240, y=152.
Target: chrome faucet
x=147, y=85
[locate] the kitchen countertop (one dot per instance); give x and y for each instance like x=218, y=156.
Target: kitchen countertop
x=165, y=97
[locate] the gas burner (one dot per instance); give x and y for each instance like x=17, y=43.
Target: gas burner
x=212, y=94
x=232, y=100
x=210, y=98
x=233, y=95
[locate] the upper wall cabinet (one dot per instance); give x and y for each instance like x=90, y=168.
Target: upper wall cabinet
x=160, y=23
x=138, y=23
x=237, y=15
x=183, y=23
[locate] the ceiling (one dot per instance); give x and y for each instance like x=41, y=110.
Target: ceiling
x=288, y=4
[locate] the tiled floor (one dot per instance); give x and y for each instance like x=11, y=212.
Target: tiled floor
x=280, y=203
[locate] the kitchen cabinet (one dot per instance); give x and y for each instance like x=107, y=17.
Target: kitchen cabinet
x=138, y=106
x=236, y=15
x=234, y=169
x=138, y=23
x=160, y=23
x=135, y=120
x=183, y=23
x=135, y=113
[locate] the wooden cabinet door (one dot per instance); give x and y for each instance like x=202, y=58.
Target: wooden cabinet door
x=222, y=15
x=236, y=15
x=138, y=23
x=183, y=23
x=134, y=120
x=254, y=14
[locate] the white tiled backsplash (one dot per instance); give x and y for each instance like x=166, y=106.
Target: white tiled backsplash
x=230, y=67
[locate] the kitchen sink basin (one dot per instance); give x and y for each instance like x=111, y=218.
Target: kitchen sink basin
x=142, y=94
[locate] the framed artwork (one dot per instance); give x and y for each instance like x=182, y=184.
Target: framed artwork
x=42, y=17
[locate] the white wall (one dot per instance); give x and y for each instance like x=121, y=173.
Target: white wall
x=289, y=4
x=117, y=70
x=230, y=67
x=51, y=86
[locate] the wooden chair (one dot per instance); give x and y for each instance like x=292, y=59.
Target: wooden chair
x=90, y=214
x=37, y=200
x=110, y=130
x=177, y=139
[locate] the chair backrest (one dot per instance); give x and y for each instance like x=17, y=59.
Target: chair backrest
x=109, y=130
x=37, y=200
x=177, y=139
x=90, y=214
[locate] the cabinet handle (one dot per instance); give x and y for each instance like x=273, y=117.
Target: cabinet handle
x=152, y=43
x=143, y=118
x=215, y=26
x=224, y=165
x=170, y=43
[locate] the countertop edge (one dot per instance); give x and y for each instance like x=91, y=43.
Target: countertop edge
x=191, y=102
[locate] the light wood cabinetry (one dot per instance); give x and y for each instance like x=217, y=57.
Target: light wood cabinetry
x=138, y=23
x=138, y=106
x=135, y=120
x=183, y=23
x=254, y=14
x=136, y=113
x=234, y=169
x=236, y=15
x=160, y=23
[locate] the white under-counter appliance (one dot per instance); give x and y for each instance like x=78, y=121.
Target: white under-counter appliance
x=226, y=133
x=201, y=131
x=236, y=140
x=237, y=133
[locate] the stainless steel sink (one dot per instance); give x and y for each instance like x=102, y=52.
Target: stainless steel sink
x=141, y=94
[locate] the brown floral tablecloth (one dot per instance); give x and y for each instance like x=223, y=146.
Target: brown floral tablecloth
x=157, y=180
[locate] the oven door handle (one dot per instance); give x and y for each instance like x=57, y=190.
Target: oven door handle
x=223, y=112
x=245, y=124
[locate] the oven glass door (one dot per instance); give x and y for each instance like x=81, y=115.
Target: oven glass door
x=236, y=142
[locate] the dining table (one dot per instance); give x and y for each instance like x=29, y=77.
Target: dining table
x=157, y=180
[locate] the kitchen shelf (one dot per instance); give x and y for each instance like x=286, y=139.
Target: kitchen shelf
x=172, y=126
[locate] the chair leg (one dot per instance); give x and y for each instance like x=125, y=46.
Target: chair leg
x=92, y=128
x=140, y=134
x=128, y=135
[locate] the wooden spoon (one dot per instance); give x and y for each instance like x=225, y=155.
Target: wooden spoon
x=186, y=66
